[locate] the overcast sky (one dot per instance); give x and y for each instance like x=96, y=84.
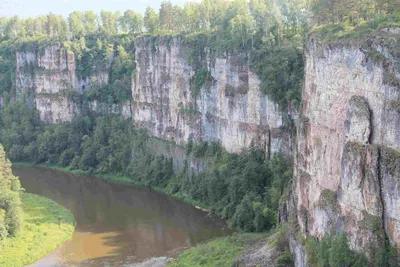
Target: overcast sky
x=27, y=8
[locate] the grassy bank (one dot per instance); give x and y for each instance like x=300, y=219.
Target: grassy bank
x=118, y=179
x=46, y=226
x=221, y=252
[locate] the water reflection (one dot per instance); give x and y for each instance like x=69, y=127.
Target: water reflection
x=118, y=224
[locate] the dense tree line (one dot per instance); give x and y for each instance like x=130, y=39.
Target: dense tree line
x=334, y=251
x=277, y=19
x=241, y=17
x=353, y=11
x=10, y=203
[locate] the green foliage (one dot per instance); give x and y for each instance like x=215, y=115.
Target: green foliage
x=10, y=203
x=352, y=12
x=281, y=70
x=219, y=252
x=285, y=259
x=151, y=20
x=46, y=226
x=200, y=78
x=351, y=24
x=244, y=188
x=329, y=198
x=238, y=186
x=333, y=251
x=280, y=241
x=386, y=256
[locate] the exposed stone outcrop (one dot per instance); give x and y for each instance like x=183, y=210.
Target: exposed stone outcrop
x=49, y=75
x=345, y=179
x=229, y=108
x=347, y=155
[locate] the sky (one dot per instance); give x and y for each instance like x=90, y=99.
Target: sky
x=32, y=8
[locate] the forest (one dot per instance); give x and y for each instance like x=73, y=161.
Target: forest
x=244, y=188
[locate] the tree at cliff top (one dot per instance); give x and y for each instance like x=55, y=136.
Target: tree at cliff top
x=238, y=17
x=353, y=11
x=10, y=203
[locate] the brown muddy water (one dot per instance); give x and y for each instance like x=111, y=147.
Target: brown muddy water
x=118, y=225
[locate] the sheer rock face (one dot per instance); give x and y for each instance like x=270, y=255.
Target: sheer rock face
x=348, y=149
x=229, y=108
x=49, y=76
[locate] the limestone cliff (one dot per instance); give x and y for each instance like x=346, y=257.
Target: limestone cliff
x=347, y=163
x=347, y=154
x=228, y=108
x=48, y=75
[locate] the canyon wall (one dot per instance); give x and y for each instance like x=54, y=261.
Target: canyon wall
x=347, y=162
x=48, y=76
x=229, y=108
x=347, y=154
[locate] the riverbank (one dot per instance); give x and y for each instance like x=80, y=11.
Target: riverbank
x=240, y=249
x=47, y=225
x=119, y=179
x=218, y=252
x=243, y=248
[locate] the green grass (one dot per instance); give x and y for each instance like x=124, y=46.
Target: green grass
x=220, y=252
x=46, y=226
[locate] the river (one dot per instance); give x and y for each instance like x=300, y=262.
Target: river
x=117, y=224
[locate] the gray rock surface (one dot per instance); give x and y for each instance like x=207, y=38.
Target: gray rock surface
x=347, y=156
x=229, y=108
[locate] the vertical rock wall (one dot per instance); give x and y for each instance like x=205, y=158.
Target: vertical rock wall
x=229, y=108
x=348, y=149
x=48, y=75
